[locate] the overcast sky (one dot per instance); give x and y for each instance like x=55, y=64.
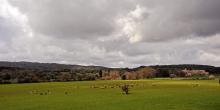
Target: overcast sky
x=113, y=33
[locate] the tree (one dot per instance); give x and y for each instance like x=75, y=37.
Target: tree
x=100, y=73
x=34, y=78
x=115, y=75
x=125, y=88
x=89, y=76
x=163, y=73
x=65, y=76
x=123, y=77
x=130, y=75
x=146, y=72
x=6, y=76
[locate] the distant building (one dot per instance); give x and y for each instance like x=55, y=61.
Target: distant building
x=195, y=72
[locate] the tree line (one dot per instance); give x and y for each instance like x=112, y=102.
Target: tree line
x=55, y=73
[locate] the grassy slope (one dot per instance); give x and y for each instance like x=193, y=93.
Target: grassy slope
x=146, y=95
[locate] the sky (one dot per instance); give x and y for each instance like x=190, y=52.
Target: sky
x=112, y=33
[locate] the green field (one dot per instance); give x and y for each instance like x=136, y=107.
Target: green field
x=155, y=94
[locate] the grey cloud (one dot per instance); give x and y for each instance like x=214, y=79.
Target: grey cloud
x=78, y=18
x=125, y=33
x=8, y=29
x=179, y=18
x=91, y=19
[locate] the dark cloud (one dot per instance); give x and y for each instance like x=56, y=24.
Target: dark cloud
x=85, y=19
x=178, y=18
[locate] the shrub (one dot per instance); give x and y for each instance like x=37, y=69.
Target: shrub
x=211, y=77
x=199, y=77
x=123, y=77
x=172, y=76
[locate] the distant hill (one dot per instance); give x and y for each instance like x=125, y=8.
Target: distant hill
x=55, y=66
x=45, y=66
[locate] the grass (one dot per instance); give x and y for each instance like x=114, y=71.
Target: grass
x=155, y=94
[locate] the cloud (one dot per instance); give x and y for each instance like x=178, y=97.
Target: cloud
x=69, y=19
x=129, y=24
x=125, y=33
x=145, y=20
x=175, y=19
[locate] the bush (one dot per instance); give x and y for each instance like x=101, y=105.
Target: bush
x=172, y=76
x=123, y=77
x=211, y=77
x=199, y=77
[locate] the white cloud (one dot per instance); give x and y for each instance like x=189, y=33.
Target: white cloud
x=130, y=23
x=209, y=58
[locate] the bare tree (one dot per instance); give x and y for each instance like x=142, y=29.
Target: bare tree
x=125, y=88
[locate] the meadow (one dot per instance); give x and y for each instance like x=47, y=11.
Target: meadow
x=153, y=94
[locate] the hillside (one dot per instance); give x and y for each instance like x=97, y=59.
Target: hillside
x=45, y=66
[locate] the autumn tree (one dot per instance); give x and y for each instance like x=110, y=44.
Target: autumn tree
x=146, y=72
x=115, y=75
x=130, y=75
